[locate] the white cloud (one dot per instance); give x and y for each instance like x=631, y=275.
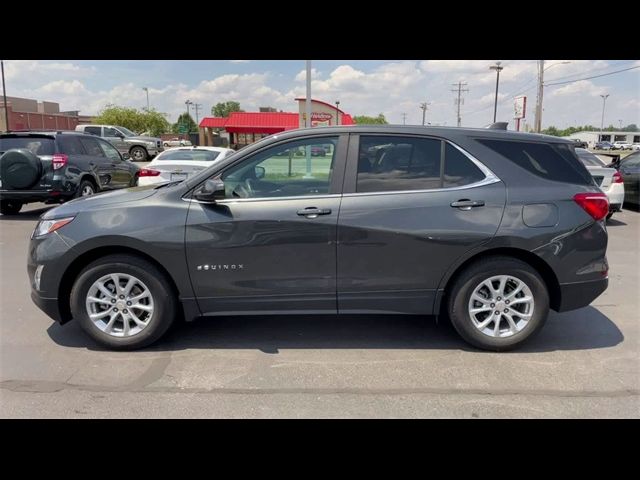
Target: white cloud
x=583, y=87
x=302, y=75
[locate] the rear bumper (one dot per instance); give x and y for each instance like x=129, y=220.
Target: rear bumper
x=27, y=196
x=580, y=294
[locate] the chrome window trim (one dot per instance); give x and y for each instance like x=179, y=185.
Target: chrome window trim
x=263, y=199
x=487, y=181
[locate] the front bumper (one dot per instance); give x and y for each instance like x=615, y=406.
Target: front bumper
x=47, y=305
x=580, y=294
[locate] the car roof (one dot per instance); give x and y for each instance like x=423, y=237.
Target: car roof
x=41, y=132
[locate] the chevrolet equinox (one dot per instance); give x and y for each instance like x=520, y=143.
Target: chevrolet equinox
x=490, y=228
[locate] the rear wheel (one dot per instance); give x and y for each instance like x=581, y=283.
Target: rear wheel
x=123, y=302
x=498, y=303
x=10, y=207
x=85, y=189
x=139, y=154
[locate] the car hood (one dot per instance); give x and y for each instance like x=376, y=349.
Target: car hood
x=100, y=200
x=140, y=138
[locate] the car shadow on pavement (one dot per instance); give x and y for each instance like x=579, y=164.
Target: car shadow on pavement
x=28, y=215
x=582, y=329
x=612, y=222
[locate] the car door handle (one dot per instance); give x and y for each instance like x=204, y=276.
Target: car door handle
x=313, y=212
x=466, y=204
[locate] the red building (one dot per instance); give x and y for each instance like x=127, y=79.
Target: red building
x=25, y=113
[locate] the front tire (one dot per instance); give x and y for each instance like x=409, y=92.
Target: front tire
x=123, y=302
x=498, y=303
x=10, y=207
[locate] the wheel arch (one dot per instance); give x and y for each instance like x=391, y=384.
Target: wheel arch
x=546, y=272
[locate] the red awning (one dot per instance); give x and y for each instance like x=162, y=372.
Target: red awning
x=346, y=119
x=261, y=122
x=213, y=122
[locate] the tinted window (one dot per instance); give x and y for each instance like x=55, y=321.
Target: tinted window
x=632, y=160
x=38, y=146
x=70, y=144
x=589, y=159
x=110, y=152
x=93, y=130
x=194, y=155
x=281, y=171
x=110, y=132
x=398, y=163
x=459, y=169
x=557, y=162
x=91, y=146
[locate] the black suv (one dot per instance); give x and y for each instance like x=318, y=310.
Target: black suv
x=490, y=228
x=53, y=167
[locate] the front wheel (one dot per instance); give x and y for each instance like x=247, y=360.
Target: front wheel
x=498, y=303
x=123, y=302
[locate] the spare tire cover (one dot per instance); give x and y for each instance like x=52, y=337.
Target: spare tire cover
x=19, y=169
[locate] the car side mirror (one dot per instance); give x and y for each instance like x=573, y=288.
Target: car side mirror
x=260, y=172
x=126, y=156
x=210, y=191
x=119, y=135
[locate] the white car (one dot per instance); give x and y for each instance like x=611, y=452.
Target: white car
x=622, y=146
x=176, y=164
x=608, y=179
x=635, y=146
x=176, y=142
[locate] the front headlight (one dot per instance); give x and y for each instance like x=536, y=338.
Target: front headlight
x=48, y=226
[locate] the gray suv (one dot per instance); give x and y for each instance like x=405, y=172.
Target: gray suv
x=488, y=228
x=140, y=148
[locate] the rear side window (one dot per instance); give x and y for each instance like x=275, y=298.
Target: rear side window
x=37, y=145
x=93, y=130
x=552, y=162
x=458, y=169
x=70, y=145
x=92, y=147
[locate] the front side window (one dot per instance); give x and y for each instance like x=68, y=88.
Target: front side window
x=110, y=152
x=111, y=132
x=298, y=168
x=392, y=163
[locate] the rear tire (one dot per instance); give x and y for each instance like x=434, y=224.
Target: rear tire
x=10, y=207
x=139, y=154
x=85, y=189
x=161, y=303
x=527, y=316
x=609, y=215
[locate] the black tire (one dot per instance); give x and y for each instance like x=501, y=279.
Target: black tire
x=134, y=181
x=609, y=215
x=10, y=207
x=20, y=169
x=471, y=277
x=139, y=154
x=84, y=187
x=165, y=302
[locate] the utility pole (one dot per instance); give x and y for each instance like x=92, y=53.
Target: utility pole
x=404, y=118
x=604, y=102
x=459, y=101
x=538, y=121
x=424, y=106
x=498, y=69
x=4, y=98
x=197, y=107
x=146, y=89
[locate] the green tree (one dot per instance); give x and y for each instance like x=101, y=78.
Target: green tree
x=185, y=118
x=135, y=120
x=365, y=120
x=632, y=127
x=224, y=109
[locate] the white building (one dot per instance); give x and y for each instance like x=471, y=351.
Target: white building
x=593, y=137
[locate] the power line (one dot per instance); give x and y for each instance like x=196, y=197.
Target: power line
x=459, y=101
x=592, y=70
x=594, y=76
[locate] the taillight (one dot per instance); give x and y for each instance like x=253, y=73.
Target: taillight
x=595, y=204
x=148, y=172
x=617, y=178
x=59, y=160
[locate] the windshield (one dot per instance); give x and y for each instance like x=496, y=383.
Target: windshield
x=186, y=155
x=589, y=159
x=127, y=132
x=37, y=145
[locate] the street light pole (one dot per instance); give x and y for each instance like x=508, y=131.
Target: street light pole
x=541, y=70
x=4, y=98
x=498, y=69
x=146, y=89
x=604, y=102
x=337, y=112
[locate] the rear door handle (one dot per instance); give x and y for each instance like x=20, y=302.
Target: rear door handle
x=466, y=204
x=313, y=212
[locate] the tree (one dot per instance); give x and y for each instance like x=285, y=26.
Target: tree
x=365, y=120
x=184, y=118
x=223, y=109
x=551, y=130
x=135, y=120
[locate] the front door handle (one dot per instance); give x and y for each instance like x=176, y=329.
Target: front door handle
x=466, y=204
x=313, y=212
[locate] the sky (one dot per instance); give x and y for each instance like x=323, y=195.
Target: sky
x=391, y=87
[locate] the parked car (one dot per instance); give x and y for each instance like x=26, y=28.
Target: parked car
x=580, y=143
x=621, y=145
x=630, y=170
x=140, y=148
x=488, y=227
x=53, y=167
x=608, y=179
x=176, y=142
x=180, y=162
x=635, y=146
x=603, y=146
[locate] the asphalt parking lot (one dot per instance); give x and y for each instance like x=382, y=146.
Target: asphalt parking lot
x=584, y=363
